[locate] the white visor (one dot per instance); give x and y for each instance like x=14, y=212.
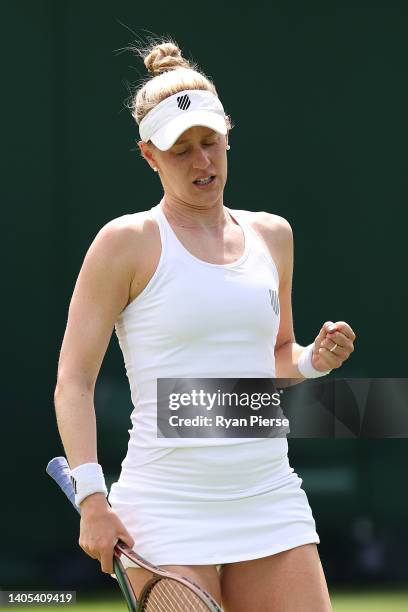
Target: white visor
x=168, y=120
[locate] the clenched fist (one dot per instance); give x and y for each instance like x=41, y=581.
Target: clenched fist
x=333, y=345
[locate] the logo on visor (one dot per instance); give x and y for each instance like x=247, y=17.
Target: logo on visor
x=183, y=102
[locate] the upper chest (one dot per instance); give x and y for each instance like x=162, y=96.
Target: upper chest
x=219, y=248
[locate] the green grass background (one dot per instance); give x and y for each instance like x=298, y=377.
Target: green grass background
x=342, y=602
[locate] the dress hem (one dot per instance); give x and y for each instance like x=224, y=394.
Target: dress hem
x=223, y=560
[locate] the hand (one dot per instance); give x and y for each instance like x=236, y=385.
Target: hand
x=339, y=333
x=100, y=530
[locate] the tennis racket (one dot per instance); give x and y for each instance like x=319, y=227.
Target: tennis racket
x=165, y=591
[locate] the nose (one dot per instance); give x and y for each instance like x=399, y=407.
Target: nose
x=200, y=158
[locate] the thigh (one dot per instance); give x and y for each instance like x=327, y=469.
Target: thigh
x=206, y=576
x=289, y=581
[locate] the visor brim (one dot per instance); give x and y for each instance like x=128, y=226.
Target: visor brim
x=165, y=138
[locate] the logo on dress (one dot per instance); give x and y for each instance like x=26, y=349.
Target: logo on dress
x=183, y=102
x=274, y=301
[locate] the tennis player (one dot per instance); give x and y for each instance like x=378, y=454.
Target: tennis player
x=193, y=289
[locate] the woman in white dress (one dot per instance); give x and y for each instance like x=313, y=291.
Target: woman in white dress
x=194, y=290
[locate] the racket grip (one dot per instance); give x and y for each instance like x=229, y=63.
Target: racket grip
x=59, y=470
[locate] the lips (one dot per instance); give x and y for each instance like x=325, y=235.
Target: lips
x=204, y=180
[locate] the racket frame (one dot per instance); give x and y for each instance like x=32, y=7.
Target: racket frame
x=159, y=572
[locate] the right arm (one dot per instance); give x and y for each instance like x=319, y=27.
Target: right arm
x=101, y=293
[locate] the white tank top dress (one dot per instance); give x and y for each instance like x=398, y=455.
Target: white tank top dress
x=200, y=501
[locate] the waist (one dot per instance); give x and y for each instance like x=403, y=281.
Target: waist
x=208, y=472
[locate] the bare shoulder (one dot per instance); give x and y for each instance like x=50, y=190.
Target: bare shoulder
x=127, y=227
x=129, y=245
x=126, y=236
x=276, y=232
x=268, y=223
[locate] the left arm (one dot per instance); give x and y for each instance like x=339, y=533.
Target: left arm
x=287, y=350
x=278, y=236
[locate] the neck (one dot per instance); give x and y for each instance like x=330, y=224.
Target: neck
x=190, y=216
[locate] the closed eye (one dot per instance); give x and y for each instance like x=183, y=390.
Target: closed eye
x=206, y=144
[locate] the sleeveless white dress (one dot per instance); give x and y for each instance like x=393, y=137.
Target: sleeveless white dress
x=200, y=501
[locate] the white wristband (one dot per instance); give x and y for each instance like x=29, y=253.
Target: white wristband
x=305, y=366
x=87, y=479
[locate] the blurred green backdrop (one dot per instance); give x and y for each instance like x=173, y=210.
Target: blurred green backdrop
x=318, y=92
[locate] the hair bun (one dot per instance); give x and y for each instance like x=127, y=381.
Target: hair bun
x=163, y=57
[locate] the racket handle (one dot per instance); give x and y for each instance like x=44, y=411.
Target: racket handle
x=58, y=469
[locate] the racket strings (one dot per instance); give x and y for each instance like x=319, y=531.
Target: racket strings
x=170, y=596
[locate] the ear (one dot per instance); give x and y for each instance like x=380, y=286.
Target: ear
x=147, y=154
x=226, y=140
x=229, y=127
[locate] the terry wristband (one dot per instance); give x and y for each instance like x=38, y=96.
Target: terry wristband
x=305, y=366
x=87, y=479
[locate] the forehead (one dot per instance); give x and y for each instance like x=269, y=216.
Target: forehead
x=197, y=131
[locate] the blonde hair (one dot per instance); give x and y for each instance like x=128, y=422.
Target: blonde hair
x=171, y=73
